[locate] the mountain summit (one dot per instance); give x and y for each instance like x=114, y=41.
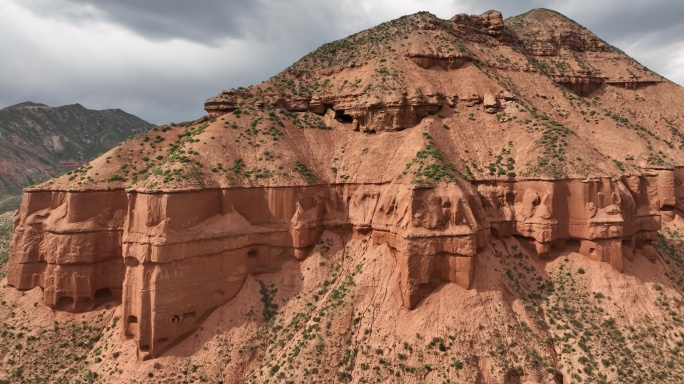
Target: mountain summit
x=465, y=200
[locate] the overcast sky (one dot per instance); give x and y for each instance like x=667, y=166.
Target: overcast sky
x=160, y=59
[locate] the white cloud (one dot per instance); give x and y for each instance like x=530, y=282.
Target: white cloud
x=102, y=65
x=674, y=69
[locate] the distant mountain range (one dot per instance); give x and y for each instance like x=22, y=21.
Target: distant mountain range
x=38, y=141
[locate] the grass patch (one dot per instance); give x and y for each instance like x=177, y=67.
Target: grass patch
x=5, y=237
x=306, y=173
x=10, y=202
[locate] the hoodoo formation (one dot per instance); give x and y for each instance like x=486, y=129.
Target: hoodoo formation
x=429, y=136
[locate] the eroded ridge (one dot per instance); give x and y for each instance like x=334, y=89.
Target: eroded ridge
x=177, y=256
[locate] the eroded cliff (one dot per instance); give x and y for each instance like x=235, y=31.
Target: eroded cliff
x=177, y=256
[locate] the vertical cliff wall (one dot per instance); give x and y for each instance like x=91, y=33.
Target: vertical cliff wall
x=174, y=257
x=69, y=244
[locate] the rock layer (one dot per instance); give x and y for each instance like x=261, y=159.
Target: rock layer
x=70, y=245
x=183, y=254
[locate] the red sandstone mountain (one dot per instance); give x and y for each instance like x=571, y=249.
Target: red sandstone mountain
x=464, y=200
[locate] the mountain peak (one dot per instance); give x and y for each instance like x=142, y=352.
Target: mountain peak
x=27, y=104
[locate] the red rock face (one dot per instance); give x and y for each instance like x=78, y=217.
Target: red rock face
x=184, y=254
x=70, y=245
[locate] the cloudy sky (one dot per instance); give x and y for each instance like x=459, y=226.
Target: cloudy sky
x=160, y=59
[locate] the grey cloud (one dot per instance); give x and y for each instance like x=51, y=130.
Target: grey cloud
x=204, y=22
x=207, y=22
x=269, y=35
x=624, y=19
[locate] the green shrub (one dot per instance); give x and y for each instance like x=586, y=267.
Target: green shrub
x=305, y=172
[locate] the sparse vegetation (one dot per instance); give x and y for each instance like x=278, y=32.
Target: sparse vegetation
x=306, y=173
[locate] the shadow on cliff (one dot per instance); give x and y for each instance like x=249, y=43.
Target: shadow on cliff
x=666, y=266
x=261, y=295
x=245, y=320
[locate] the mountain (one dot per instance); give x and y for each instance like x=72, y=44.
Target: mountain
x=473, y=200
x=38, y=142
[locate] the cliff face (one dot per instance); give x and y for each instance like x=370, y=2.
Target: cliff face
x=174, y=257
x=430, y=139
x=70, y=244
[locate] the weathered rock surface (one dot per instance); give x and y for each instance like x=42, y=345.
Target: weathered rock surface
x=433, y=144
x=184, y=254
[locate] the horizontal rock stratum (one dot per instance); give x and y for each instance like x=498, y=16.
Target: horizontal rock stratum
x=429, y=136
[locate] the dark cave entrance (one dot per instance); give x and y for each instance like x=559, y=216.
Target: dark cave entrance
x=343, y=117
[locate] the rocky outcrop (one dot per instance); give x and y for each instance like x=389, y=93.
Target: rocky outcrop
x=551, y=44
x=225, y=102
x=390, y=115
x=427, y=61
x=603, y=219
x=585, y=83
x=69, y=244
x=183, y=254
x=490, y=23
x=582, y=84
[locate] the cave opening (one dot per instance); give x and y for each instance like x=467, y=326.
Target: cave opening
x=104, y=293
x=326, y=107
x=573, y=245
x=83, y=303
x=64, y=303
x=510, y=197
x=132, y=319
x=131, y=261
x=343, y=117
